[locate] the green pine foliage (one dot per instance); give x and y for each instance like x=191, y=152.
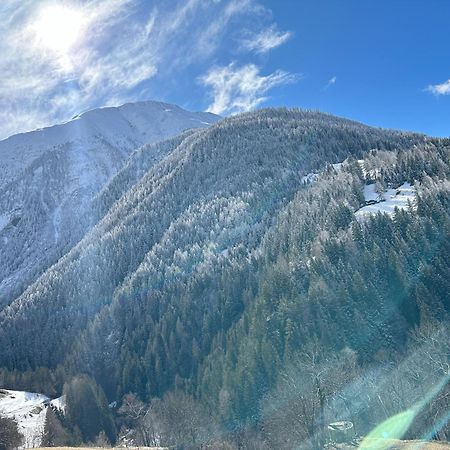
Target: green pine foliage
x=221, y=278
x=87, y=409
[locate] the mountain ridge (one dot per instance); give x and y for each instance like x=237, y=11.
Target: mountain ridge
x=293, y=128
x=224, y=264
x=51, y=175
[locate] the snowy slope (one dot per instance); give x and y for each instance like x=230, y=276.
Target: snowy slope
x=125, y=127
x=29, y=410
x=402, y=198
x=48, y=178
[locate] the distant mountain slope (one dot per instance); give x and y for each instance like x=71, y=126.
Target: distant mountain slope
x=211, y=198
x=125, y=127
x=49, y=177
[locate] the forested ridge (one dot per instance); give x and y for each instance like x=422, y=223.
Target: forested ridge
x=223, y=283
x=49, y=178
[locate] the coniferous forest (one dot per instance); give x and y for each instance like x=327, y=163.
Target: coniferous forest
x=227, y=292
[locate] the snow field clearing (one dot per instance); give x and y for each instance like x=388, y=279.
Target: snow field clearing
x=29, y=410
x=403, y=197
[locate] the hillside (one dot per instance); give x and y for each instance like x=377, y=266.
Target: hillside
x=217, y=191
x=50, y=176
x=227, y=263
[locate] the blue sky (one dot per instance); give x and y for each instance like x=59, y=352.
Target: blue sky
x=385, y=63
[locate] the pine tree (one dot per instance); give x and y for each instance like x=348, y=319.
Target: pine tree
x=87, y=409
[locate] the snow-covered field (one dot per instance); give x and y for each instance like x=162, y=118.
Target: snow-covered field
x=29, y=410
x=310, y=178
x=402, y=198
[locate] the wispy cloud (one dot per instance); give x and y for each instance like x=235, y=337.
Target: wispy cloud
x=330, y=83
x=40, y=86
x=440, y=89
x=237, y=89
x=266, y=40
x=126, y=48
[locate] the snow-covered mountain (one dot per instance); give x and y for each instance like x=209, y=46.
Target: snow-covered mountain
x=49, y=176
x=227, y=261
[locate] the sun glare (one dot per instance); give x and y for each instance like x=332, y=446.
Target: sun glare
x=58, y=27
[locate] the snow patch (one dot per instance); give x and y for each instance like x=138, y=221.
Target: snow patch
x=4, y=220
x=404, y=197
x=310, y=178
x=29, y=410
x=370, y=194
x=59, y=403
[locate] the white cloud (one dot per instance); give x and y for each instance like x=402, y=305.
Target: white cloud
x=40, y=86
x=440, y=89
x=237, y=89
x=123, y=45
x=330, y=83
x=266, y=40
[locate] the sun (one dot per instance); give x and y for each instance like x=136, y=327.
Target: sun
x=58, y=27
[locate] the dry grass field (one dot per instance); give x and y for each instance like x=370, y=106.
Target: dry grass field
x=101, y=448
x=394, y=445
x=407, y=445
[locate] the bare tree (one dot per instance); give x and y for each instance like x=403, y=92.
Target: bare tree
x=10, y=437
x=295, y=413
x=139, y=421
x=175, y=420
x=182, y=421
x=102, y=441
x=433, y=350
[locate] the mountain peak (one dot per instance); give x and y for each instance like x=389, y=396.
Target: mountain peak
x=143, y=106
x=66, y=165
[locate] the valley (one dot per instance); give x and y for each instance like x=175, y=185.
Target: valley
x=213, y=269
